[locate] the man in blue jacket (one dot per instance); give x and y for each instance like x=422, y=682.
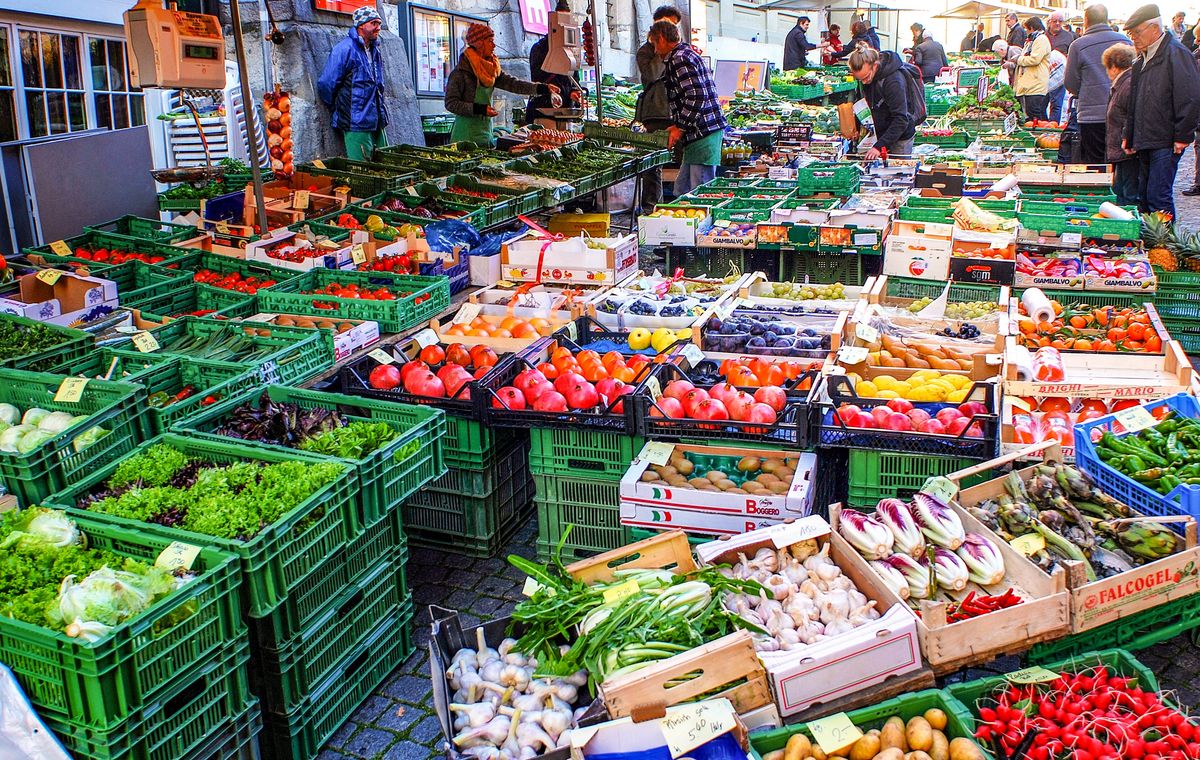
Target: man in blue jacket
x=1087, y=79
x=352, y=86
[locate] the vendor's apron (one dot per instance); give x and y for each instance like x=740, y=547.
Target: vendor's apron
x=476, y=129
x=706, y=151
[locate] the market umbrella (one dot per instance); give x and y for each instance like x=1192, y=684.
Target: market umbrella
x=975, y=9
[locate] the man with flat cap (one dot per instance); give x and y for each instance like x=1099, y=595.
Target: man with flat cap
x=1164, y=105
x=352, y=86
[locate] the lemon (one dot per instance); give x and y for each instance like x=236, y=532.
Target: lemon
x=902, y=387
x=944, y=384
x=887, y=394
x=884, y=382
x=957, y=396
x=684, y=333
x=867, y=388
x=925, y=374
x=662, y=338
x=639, y=338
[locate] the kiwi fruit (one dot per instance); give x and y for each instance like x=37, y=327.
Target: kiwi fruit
x=753, y=486
x=285, y=321
x=748, y=464
x=345, y=327
x=649, y=476
x=725, y=485
x=698, y=482
x=778, y=487
x=736, y=490
x=715, y=475
x=767, y=479
x=785, y=474
x=684, y=466
x=771, y=465
x=668, y=470
x=709, y=487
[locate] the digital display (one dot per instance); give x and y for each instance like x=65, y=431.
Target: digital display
x=200, y=51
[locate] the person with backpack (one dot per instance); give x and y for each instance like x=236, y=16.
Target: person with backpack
x=896, y=96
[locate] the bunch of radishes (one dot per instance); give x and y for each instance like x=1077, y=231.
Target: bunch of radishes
x=900, y=415
x=531, y=389
x=681, y=399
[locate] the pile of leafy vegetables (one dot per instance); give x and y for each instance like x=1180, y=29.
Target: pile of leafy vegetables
x=20, y=340
x=319, y=430
x=167, y=487
x=48, y=577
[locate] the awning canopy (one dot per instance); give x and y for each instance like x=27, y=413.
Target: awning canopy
x=100, y=11
x=980, y=9
x=838, y=5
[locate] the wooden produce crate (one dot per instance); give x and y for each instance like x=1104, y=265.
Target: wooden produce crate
x=840, y=668
x=729, y=666
x=1107, y=375
x=959, y=292
x=1015, y=317
x=1044, y=615
x=1107, y=599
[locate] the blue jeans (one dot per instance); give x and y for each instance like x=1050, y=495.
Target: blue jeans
x=1125, y=182
x=1156, y=180
x=692, y=176
x=1056, y=103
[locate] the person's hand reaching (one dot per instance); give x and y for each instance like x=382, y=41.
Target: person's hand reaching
x=492, y=111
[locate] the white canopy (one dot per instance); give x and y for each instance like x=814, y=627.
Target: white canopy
x=980, y=9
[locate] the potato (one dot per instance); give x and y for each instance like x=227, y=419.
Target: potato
x=964, y=749
x=865, y=748
x=891, y=753
x=936, y=718
x=892, y=735
x=917, y=755
x=774, y=755
x=817, y=753
x=919, y=734
x=941, y=745
x=798, y=747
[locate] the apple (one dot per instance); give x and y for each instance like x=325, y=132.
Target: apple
x=667, y=407
x=972, y=408
x=509, y=397
x=550, y=401
x=897, y=421
x=904, y=406
x=773, y=396
x=677, y=389
x=919, y=417
x=385, y=377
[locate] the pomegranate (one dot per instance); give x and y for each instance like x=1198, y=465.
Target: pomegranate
x=609, y=387
x=527, y=378
x=722, y=391
x=692, y=398
x=847, y=414
x=412, y=367
x=771, y=395
x=880, y=414
x=919, y=417
x=509, y=397
x=972, y=408
x=761, y=413
x=932, y=426
x=550, y=401
x=582, y=395
x=904, y=406
x=537, y=390
x=897, y=421
x=710, y=409
x=425, y=384
x=739, y=406
x=667, y=407
x=568, y=380
x=677, y=389
x=385, y=377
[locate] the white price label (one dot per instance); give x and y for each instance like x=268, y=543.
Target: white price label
x=300, y=201
x=834, y=733
x=145, y=342
x=49, y=276
x=357, y=254
x=621, y=591
x=177, y=556
x=1135, y=418
x=689, y=726
x=866, y=332
x=656, y=452
x=381, y=356
x=941, y=488
x=654, y=387
x=852, y=354
x=426, y=337
x=467, y=313
x=693, y=354
x=61, y=248
x=71, y=390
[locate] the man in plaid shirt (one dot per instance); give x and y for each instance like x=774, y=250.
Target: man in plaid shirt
x=697, y=122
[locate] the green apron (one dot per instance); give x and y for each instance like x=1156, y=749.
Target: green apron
x=476, y=129
x=706, y=151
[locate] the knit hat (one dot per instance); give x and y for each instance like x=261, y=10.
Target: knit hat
x=365, y=14
x=1142, y=15
x=479, y=33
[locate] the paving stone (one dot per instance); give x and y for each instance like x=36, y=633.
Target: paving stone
x=370, y=742
x=407, y=750
x=399, y=718
x=412, y=689
x=329, y=754
x=371, y=710
x=426, y=732
x=339, y=739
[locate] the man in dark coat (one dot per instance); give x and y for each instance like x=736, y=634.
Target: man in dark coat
x=796, y=46
x=928, y=55
x=1016, y=32
x=568, y=89
x=971, y=42
x=885, y=82
x=1164, y=107
x=1087, y=79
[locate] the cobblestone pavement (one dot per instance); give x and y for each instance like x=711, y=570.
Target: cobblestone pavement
x=397, y=721
x=1187, y=209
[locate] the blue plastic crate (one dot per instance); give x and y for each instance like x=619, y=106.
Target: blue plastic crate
x=1182, y=500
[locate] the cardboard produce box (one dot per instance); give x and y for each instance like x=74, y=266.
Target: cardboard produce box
x=657, y=505
x=839, y=666
x=58, y=297
x=668, y=230
x=580, y=260
x=324, y=254
x=919, y=249
x=349, y=335
x=987, y=258
x=1105, y=600
x=707, y=728
x=1102, y=375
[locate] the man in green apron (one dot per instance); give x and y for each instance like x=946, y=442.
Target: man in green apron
x=696, y=120
x=470, y=86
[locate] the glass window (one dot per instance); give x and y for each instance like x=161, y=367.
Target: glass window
x=8, y=95
x=51, y=71
x=432, y=33
x=117, y=104
x=31, y=60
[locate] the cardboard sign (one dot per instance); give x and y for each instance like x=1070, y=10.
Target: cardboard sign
x=693, y=354
x=688, y=726
x=381, y=356
x=426, y=338
x=49, y=276
x=941, y=488
x=1036, y=674
x=834, y=733
x=1135, y=418
x=145, y=342
x=656, y=452
x=866, y=332
x=300, y=201
x=61, y=248
x=177, y=556
x=467, y=313
x=71, y=390
x=357, y=254
x=852, y=354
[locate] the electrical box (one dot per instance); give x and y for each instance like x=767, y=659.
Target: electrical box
x=565, y=55
x=171, y=48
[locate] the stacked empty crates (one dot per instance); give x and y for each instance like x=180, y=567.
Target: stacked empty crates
x=578, y=476
x=346, y=623
x=483, y=498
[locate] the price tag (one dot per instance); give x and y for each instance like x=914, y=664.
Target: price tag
x=1036, y=674
x=300, y=201
x=571, y=331
x=1028, y=544
x=178, y=556
x=318, y=163
x=1135, y=418
x=866, y=332
x=49, y=276
x=852, y=354
x=688, y=726
x=381, y=356
x=426, y=337
x=656, y=452
x=654, y=387
x=941, y=488
x=834, y=733
x=357, y=254
x=620, y=591
x=1010, y=123
x=61, y=248
x=505, y=284
x=468, y=312
x=145, y=342
x=693, y=354
x=531, y=587
x=222, y=228
x=71, y=390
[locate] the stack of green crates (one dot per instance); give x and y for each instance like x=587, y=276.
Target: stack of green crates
x=878, y=475
x=578, y=474
x=1178, y=304
x=483, y=498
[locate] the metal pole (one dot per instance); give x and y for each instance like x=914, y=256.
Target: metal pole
x=239, y=48
x=596, y=44
x=264, y=25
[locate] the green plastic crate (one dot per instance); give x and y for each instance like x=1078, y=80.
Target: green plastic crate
x=302, y=732
x=364, y=179
x=327, y=225
x=313, y=595
x=878, y=475
x=1178, y=306
x=147, y=287
x=178, y=723
x=283, y=678
x=1118, y=662
x=1139, y=631
x=590, y=507
x=152, y=230
x=484, y=479
x=507, y=202
x=957, y=139
x=1186, y=331
x=1095, y=298
x=113, y=406
x=801, y=266
x=235, y=739
x=150, y=370
x=194, y=297
x=283, y=355
x=295, y=297
x=195, y=261
x=1109, y=229
x=101, y=683
x=473, y=213
x=74, y=345
x=281, y=553
x=905, y=287
x=470, y=445
x=96, y=239
x=744, y=210
x=386, y=476
x=431, y=163
x=958, y=719
x=582, y=453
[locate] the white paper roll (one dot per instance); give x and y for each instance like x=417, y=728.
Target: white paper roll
x=1037, y=305
x=1022, y=359
x=1006, y=183
x=1113, y=211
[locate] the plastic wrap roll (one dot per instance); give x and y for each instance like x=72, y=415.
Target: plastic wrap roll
x=1113, y=211
x=1023, y=361
x=1037, y=305
x=1004, y=184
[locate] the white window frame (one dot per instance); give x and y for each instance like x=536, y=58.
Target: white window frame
x=84, y=80
x=93, y=91
x=15, y=86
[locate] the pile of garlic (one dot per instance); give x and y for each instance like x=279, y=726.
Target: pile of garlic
x=501, y=712
x=807, y=598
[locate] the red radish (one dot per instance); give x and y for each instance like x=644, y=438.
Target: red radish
x=692, y=398
x=739, y=406
x=901, y=405
x=582, y=396
x=880, y=414
x=527, y=378
x=919, y=417
x=568, y=380
x=385, y=377
x=509, y=397
x=667, y=407
x=773, y=396
x=897, y=421
x=972, y=408
x=550, y=401
x=677, y=389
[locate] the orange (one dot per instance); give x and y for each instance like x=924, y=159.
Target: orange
x=508, y=323
x=524, y=330
x=548, y=369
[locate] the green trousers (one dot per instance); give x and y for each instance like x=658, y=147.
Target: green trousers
x=360, y=146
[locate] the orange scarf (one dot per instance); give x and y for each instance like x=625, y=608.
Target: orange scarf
x=486, y=69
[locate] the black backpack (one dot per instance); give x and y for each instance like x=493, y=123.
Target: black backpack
x=915, y=91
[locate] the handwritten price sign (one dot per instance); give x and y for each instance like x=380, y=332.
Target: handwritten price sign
x=834, y=733
x=689, y=726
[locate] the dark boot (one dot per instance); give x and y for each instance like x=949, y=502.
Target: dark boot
x=1193, y=190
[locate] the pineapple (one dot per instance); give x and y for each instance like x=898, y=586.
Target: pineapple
x=1157, y=234
x=1187, y=249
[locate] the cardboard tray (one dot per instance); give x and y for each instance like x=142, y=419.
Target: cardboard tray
x=1107, y=599
x=1107, y=375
